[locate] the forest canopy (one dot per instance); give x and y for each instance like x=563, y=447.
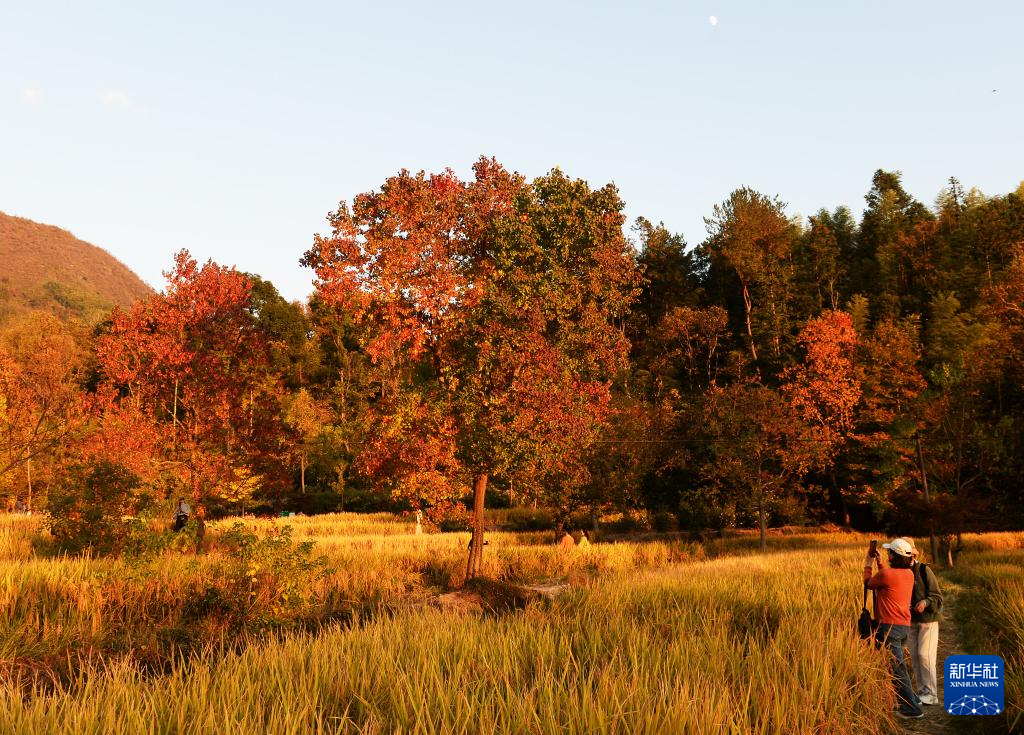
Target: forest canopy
x=508, y=341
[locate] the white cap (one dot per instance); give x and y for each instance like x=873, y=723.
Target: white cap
x=899, y=546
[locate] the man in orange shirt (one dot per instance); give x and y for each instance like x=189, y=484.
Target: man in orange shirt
x=893, y=587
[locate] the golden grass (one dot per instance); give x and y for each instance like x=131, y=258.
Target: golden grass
x=990, y=610
x=662, y=636
x=732, y=645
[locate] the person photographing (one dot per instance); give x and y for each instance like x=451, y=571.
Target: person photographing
x=893, y=586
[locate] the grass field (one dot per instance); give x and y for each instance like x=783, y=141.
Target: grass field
x=654, y=637
x=990, y=612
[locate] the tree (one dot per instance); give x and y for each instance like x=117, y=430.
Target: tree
x=820, y=254
x=41, y=363
x=287, y=330
x=492, y=311
x=307, y=418
x=616, y=464
x=758, y=446
x=750, y=235
x=891, y=215
x=195, y=361
x=987, y=231
x=670, y=278
x=881, y=460
x=94, y=506
x=825, y=388
x=963, y=437
x=688, y=346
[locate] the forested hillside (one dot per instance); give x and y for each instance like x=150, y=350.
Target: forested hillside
x=43, y=267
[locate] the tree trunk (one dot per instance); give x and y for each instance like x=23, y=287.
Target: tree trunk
x=476, y=544
x=28, y=473
x=174, y=419
x=750, y=332
x=762, y=521
x=838, y=500
x=302, y=471
x=928, y=504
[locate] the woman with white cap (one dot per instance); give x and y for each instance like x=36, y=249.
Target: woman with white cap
x=893, y=587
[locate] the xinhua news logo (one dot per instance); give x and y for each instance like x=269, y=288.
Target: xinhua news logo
x=974, y=685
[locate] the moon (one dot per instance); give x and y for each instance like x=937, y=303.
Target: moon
x=713, y=20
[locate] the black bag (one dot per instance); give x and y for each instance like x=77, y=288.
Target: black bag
x=866, y=625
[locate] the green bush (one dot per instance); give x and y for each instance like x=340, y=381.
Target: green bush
x=96, y=506
x=267, y=581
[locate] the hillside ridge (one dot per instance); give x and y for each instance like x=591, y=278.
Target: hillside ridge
x=46, y=267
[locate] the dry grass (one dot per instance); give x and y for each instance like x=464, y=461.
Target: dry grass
x=990, y=609
x=656, y=637
x=737, y=644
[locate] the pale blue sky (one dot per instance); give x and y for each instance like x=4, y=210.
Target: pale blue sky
x=233, y=129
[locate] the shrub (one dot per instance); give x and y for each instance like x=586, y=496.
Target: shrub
x=664, y=522
x=267, y=581
x=95, y=506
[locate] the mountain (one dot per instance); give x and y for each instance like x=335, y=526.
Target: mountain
x=43, y=267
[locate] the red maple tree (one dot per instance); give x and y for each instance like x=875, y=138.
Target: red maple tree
x=193, y=361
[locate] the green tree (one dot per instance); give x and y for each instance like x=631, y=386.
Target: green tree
x=758, y=447
x=670, y=278
x=881, y=459
x=891, y=215
x=963, y=436
x=750, y=236
x=820, y=256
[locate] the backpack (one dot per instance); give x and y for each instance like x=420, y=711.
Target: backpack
x=866, y=625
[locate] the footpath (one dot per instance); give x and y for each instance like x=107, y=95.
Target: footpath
x=936, y=720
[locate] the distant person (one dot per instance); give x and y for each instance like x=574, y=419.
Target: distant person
x=894, y=587
x=567, y=541
x=182, y=512
x=925, y=606
x=584, y=542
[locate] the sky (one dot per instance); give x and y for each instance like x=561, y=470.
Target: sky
x=232, y=129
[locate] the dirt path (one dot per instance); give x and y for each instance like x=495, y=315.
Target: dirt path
x=936, y=720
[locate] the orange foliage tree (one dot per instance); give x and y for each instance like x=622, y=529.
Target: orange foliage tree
x=492, y=312
x=40, y=400
x=825, y=388
x=194, y=362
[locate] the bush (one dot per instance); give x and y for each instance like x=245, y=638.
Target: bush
x=267, y=581
x=450, y=516
x=664, y=522
x=95, y=506
x=699, y=511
